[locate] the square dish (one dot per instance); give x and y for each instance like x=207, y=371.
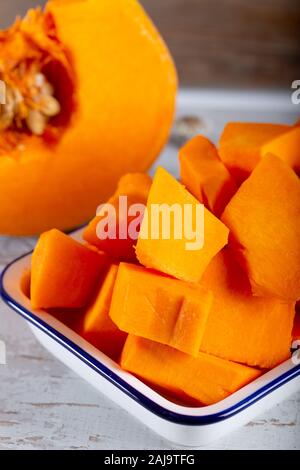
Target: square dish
x=182, y=425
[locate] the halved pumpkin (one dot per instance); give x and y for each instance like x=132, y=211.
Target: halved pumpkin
x=90, y=90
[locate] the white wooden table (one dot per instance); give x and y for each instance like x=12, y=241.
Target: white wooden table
x=45, y=406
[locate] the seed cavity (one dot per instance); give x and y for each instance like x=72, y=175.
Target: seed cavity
x=30, y=105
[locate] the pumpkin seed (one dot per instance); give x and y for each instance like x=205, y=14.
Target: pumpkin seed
x=36, y=122
x=33, y=108
x=49, y=106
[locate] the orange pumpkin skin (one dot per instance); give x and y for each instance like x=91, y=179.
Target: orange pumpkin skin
x=124, y=93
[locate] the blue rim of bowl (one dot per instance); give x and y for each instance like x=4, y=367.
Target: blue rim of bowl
x=128, y=389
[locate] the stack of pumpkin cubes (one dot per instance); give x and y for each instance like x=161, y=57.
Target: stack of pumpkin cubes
x=196, y=324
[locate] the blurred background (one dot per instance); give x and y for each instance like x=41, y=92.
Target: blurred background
x=220, y=43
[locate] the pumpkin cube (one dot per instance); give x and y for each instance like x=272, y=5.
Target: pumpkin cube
x=154, y=306
x=205, y=378
x=264, y=219
x=287, y=147
x=205, y=175
x=240, y=327
x=241, y=145
x=136, y=187
x=64, y=273
x=178, y=235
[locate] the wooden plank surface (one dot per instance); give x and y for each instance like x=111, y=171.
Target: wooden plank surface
x=233, y=43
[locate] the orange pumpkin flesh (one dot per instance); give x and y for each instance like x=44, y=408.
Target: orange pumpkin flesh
x=240, y=327
x=98, y=328
x=264, y=219
x=204, y=378
x=64, y=273
x=169, y=255
x=205, y=175
x=197, y=341
x=287, y=147
x=160, y=308
x=135, y=186
x=116, y=85
x=241, y=143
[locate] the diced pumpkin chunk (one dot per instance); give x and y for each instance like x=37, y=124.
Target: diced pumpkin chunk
x=287, y=147
x=241, y=145
x=64, y=273
x=136, y=187
x=264, y=219
x=137, y=184
x=204, y=378
x=180, y=255
x=240, y=327
x=160, y=308
x=98, y=328
x=205, y=175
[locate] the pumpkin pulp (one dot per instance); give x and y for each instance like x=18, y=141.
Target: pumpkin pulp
x=38, y=82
